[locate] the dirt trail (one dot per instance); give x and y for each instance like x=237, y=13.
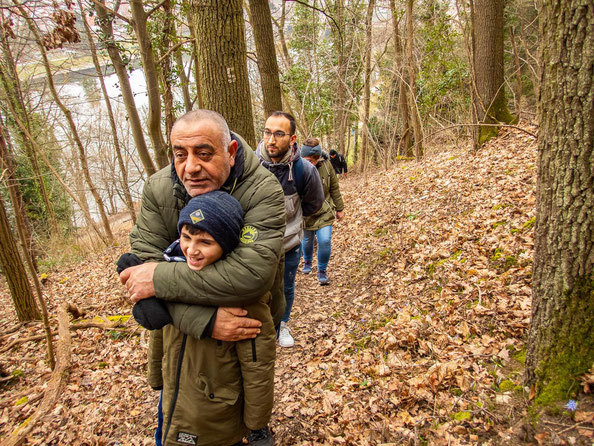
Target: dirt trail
x=417, y=340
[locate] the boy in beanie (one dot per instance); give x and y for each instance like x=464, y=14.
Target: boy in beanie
x=209, y=227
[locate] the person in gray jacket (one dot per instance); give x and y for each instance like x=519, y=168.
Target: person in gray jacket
x=304, y=196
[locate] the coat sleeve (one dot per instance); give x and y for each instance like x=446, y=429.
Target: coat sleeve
x=249, y=271
x=335, y=190
x=313, y=196
x=149, y=238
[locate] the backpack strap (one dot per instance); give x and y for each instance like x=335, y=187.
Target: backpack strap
x=298, y=176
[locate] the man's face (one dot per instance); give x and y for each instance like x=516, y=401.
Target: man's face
x=311, y=159
x=277, y=147
x=201, y=162
x=199, y=249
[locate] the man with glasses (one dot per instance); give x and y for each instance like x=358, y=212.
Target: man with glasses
x=304, y=196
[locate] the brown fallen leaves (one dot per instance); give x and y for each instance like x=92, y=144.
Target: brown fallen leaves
x=417, y=340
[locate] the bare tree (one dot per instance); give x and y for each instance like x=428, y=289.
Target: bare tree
x=105, y=22
x=561, y=337
x=114, y=130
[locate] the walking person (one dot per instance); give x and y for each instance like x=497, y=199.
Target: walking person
x=278, y=152
x=203, y=405
x=319, y=225
x=338, y=163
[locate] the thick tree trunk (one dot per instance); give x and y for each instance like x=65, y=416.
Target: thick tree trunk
x=561, y=338
x=412, y=82
x=399, y=70
x=105, y=22
x=151, y=75
x=267, y=65
x=15, y=273
x=367, y=86
x=491, y=104
x=340, y=118
x=16, y=198
x=112, y=123
x=220, y=39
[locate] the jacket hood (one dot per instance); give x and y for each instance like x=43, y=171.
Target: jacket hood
x=271, y=165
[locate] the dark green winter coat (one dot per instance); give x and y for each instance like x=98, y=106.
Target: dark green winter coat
x=332, y=199
x=201, y=378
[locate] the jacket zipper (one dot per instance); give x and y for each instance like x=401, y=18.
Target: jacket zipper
x=180, y=360
x=254, y=358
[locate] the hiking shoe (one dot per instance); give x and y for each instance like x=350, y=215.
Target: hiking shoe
x=261, y=437
x=323, y=278
x=306, y=268
x=284, y=336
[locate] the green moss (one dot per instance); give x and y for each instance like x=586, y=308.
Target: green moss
x=462, y=415
x=498, y=223
x=521, y=356
x=529, y=224
x=21, y=401
x=16, y=373
x=102, y=365
x=486, y=133
x=571, y=352
x=506, y=385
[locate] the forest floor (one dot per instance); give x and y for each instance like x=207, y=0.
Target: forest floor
x=418, y=340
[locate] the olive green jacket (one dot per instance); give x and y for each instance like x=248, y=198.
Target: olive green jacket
x=332, y=198
x=201, y=378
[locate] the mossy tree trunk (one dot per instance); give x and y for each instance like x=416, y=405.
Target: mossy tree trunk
x=561, y=338
x=367, y=88
x=15, y=273
x=261, y=22
x=220, y=41
x=490, y=105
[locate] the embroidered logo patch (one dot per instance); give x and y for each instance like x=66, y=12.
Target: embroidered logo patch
x=197, y=216
x=185, y=438
x=248, y=235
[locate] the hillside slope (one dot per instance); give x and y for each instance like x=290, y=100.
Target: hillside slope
x=417, y=340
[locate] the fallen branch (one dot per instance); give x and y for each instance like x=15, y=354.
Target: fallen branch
x=102, y=326
x=54, y=386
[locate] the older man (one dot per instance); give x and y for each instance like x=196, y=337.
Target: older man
x=202, y=403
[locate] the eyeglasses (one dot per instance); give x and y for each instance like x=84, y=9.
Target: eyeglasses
x=277, y=135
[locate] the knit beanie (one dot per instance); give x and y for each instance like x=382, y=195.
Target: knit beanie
x=333, y=152
x=311, y=151
x=216, y=213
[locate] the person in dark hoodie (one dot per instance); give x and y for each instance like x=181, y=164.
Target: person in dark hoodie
x=304, y=196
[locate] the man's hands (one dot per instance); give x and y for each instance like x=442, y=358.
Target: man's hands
x=339, y=215
x=139, y=281
x=232, y=325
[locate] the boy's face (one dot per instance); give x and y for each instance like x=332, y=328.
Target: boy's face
x=200, y=249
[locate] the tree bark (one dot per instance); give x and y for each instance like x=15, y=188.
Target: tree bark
x=367, y=87
x=165, y=68
x=151, y=74
x=16, y=198
x=487, y=36
x=412, y=82
x=105, y=22
x=561, y=338
x=184, y=81
x=399, y=76
x=261, y=22
x=340, y=118
x=112, y=123
x=15, y=273
x=220, y=39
